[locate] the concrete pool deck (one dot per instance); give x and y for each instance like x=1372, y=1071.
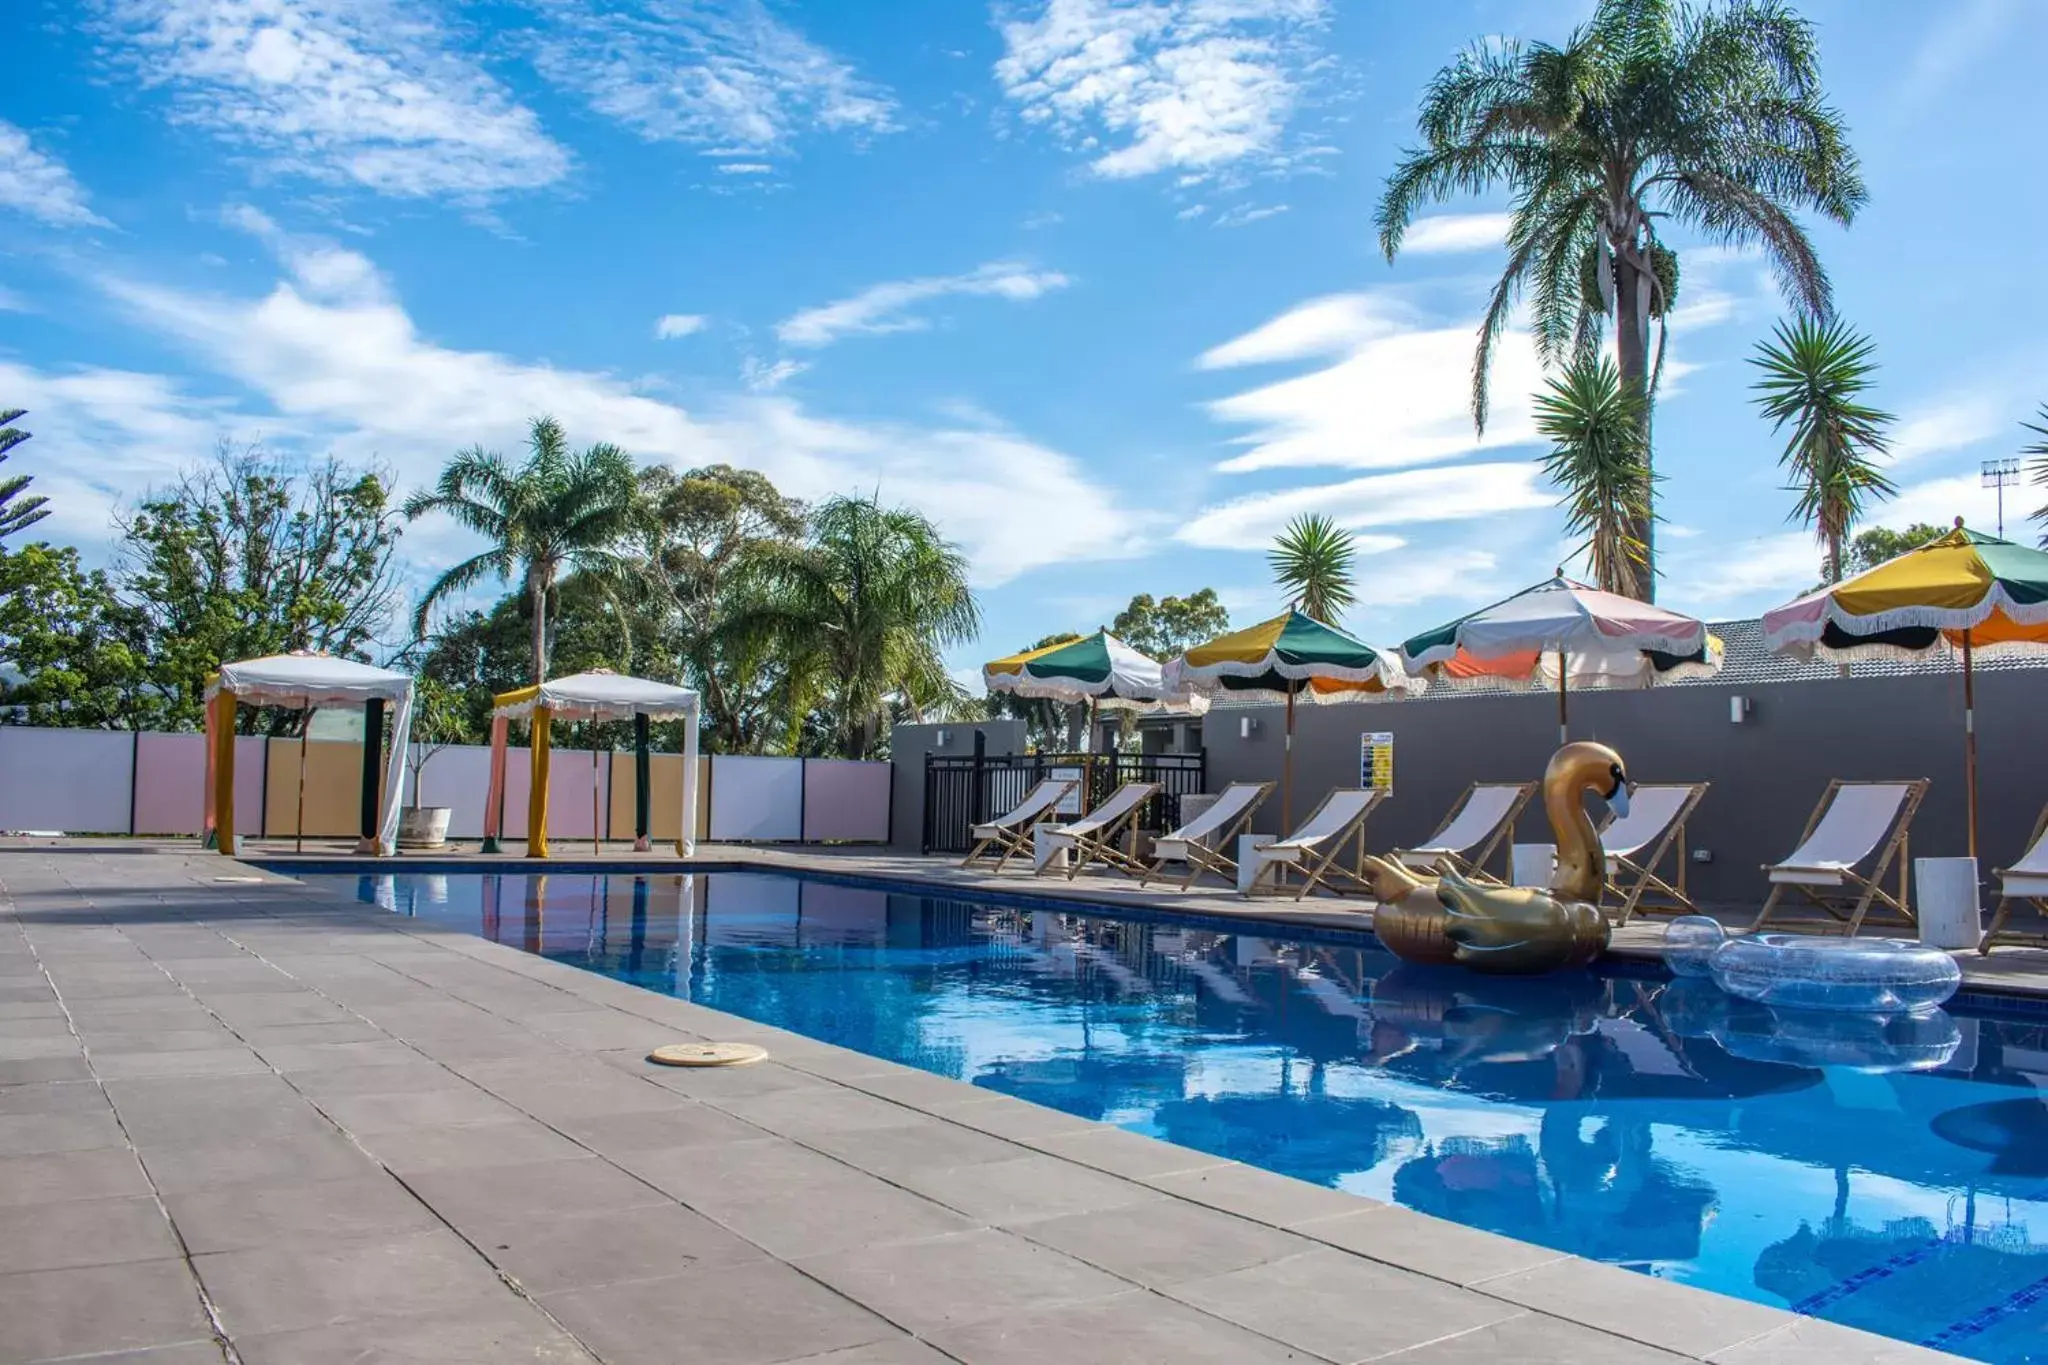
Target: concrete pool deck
x=238, y=1115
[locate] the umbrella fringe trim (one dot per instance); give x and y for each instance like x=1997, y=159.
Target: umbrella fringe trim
x=1690, y=643
x=1388, y=674
x=1794, y=633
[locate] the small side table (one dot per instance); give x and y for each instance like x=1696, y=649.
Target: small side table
x=1949, y=914
x=1044, y=851
x=1533, y=865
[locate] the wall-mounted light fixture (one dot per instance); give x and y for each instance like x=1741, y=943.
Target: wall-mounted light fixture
x=1738, y=710
x=945, y=738
x=1247, y=726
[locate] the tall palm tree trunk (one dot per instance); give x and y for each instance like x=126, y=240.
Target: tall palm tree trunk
x=537, y=594
x=1632, y=358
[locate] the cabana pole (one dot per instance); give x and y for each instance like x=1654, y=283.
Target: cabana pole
x=1970, y=737
x=596, y=847
x=643, y=782
x=537, y=797
x=373, y=749
x=224, y=775
x=1564, y=729
x=299, y=824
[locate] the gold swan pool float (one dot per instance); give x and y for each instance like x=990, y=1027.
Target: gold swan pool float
x=1514, y=930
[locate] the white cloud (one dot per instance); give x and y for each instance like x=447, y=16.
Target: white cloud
x=374, y=93
x=1698, y=308
x=1950, y=423
x=1459, y=493
x=1239, y=217
x=1940, y=501
x=669, y=326
x=12, y=302
x=333, y=354
x=730, y=78
x=39, y=185
x=763, y=377
x=1962, y=35
x=880, y=308
x=1714, y=577
x=1399, y=392
x=1188, y=85
x=1415, y=574
x=1444, y=233
x=746, y=168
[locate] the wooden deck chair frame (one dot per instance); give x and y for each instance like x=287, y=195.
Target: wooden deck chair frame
x=1206, y=858
x=1016, y=840
x=1101, y=846
x=1998, y=935
x=1641, y=874
x=1319, y=871
x=1474, y=868
x=1849, y=904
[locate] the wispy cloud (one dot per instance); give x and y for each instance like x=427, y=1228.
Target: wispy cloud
x=746, y=168
x=1459, y=493
x=1194, y=86
x=1952, y=422
x=1398, y=390
x=39, y=185
x=1240, y=217
x=884, y=308
x=669, y=326
x=730, y=78
x=762, y=376
x=1445, y=233
x=1960, y=34
x=374, y=93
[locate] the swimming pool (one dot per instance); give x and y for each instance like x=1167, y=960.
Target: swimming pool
x=1883, y=1175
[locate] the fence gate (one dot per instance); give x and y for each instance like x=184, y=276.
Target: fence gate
x=960, y=793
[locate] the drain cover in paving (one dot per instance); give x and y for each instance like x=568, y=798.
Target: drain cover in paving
x=708, y=1054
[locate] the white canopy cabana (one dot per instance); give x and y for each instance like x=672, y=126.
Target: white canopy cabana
x=591, y=696
x=309, y=681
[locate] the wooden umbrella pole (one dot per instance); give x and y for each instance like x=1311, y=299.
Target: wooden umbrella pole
x=299, y=825
x=1970, y=738
x=1088, y=780
x=1287, y=768
x=1564, y=729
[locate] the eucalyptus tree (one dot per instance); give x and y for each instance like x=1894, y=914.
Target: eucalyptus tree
x=1813, y=377
x=555, y=511
x=1650, y=115
x=1600, y=465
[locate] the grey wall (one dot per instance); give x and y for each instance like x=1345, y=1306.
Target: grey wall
x=1767, y=773
x=908, y=745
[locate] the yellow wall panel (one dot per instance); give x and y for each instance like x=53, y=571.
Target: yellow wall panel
x=665, y=789
x=334, y=789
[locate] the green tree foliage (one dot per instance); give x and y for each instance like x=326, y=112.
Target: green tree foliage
x=555, y=512
x=859, y=613
x=1876, y=544
x=1814, y=377
x=1312, y=563
x=67, y=654
x=1171, y=625
x=16, y=512
x=1599, y=463
x=244, y=557
x=1651, y=113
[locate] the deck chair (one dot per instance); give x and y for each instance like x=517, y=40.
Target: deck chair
x=1011, y=834
x=1637, y=843
x=2025, y=880
x=1471, y=833
x=1202, y=842
x=1313, y=849
x=1093, y=837
x=1852, y=821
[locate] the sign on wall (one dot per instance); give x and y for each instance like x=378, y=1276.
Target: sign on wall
x=1070, y=804
x=1376, y=761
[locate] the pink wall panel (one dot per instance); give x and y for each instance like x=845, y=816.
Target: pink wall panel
x=569, y=812
x=844, y=800
x=170, y=784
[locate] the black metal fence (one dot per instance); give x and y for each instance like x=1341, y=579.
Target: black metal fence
x=960, y=793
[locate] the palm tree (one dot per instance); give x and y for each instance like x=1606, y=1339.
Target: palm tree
x=2037, y=466
x=1312, y=561
x=554, y=511
x=860, y=612
x=1814, y=377
x=1713, y=118
x=1598, y=459
x=16, y=516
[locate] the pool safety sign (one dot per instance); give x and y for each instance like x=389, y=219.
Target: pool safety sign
x=1070, y=804
x=1376, y=761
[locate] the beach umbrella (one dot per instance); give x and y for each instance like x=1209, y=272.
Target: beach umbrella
x=1098, y=671
x=1566, y=635
x=1291, y=656
x=1966, y=593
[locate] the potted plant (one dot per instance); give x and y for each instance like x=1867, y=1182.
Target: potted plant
x=437, y=724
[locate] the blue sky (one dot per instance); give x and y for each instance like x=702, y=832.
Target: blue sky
x=1092, y=283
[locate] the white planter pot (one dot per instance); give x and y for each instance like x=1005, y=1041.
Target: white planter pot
x=423, y=826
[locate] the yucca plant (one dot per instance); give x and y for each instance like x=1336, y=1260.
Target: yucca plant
x=2037, y=463
x=1312, y=561
x=1599, y=462
x=1651, y=113
x=1814, y=377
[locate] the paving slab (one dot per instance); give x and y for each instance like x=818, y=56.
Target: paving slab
x=241, y=1217
x=281, y=1288
x=745, y=1315
x=968, y=1277
x=51, y=1314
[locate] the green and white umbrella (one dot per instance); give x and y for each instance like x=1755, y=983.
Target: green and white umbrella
x=1097, y=669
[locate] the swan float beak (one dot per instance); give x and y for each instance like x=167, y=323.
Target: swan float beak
x=1617, y=800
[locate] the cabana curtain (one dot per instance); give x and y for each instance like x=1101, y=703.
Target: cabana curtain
x=306, y=681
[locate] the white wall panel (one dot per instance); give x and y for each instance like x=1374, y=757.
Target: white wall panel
x=756, y=798
x=77, y=781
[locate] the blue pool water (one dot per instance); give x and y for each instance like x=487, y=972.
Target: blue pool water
x=1883, y=1175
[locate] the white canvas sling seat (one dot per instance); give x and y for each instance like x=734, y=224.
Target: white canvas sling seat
x=1853, y=821
x=1474, y=831
x=1203, y=843
x=2026, y=880
x=1093, y=837
x=1010, y=834
x=1314, y=847
x=1638, y=842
